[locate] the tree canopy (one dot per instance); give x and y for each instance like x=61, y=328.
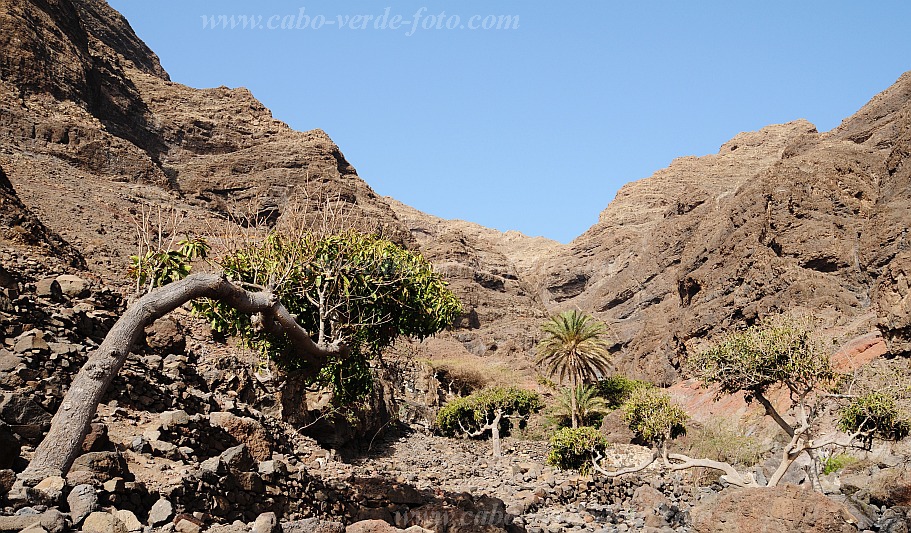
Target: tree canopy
x=352, y=287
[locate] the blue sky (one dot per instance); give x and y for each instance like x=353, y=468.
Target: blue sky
x=534, y=128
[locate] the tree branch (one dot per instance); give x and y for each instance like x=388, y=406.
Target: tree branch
x=772, y=412
x=731, y=475
x=56, y=453
x=623, y=471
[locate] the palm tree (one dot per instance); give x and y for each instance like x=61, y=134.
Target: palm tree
x=588, y=404
x=574, y=348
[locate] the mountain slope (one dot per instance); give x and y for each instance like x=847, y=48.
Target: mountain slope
x=778, y=219
x=95, y=135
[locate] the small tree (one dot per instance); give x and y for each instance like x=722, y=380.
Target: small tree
x=781, y=352
x=489, y=410
x=656, y=420
x=351, y=287
x=589, y=406
x=574, y=349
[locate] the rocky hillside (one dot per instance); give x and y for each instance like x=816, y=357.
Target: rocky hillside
x=93, y=133
x=780, y=218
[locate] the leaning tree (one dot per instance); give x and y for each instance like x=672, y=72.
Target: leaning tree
x=311, y=303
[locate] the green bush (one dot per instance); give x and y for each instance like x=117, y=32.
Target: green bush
x=470, y=413
x=874, y=415
x=353, y=287
x=652, y=416
x=573, y=449
x=836, y=463
x=616, y=389
x=155, y=268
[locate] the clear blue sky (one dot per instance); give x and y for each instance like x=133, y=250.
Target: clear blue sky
x=535, y=128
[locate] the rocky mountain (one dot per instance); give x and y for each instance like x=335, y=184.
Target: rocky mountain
x=782, y=218
x=96, y=138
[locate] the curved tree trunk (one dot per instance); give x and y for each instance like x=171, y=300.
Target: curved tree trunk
x=60, y=447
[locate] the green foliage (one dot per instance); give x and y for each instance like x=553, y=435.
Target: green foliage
x=358, y=288
x=775, y=351
x=591, y=408
x=616, y=389
x=836, y=463
x=573, y=449
x=573, y=347
x=470, y=413
x=160, y=267
x=874, y=415
x=653, y=417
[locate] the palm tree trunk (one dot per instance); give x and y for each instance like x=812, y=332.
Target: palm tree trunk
x=574, y=405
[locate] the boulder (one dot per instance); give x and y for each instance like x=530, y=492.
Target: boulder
x=31, y=340
x=165, y=336
x=266, y=523
x=52, y=521
x=7, y=480
x=782, y=508
x=50, y=489
x=244, y=430
x=129, y=520
x=48, y=288
x=98, y=467
x=99, y=522
x=161, y=512
x=83, y=500
x=97, y=438
x=172, y=419
x=237, y=458
x=21, y=409
x=647, y=499
x=73, y=286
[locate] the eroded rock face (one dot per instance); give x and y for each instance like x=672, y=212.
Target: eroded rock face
x=94, y=132
x=785, y=508
x=780, y=218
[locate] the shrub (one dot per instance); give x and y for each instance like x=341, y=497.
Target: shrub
x=616, y=389
x=836, y=463
x=874, y=415
x=723, y=440
x=573, y=449
x=652, y=417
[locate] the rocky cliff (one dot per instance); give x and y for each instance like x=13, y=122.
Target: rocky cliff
x=782, y=218
x=93, y=132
